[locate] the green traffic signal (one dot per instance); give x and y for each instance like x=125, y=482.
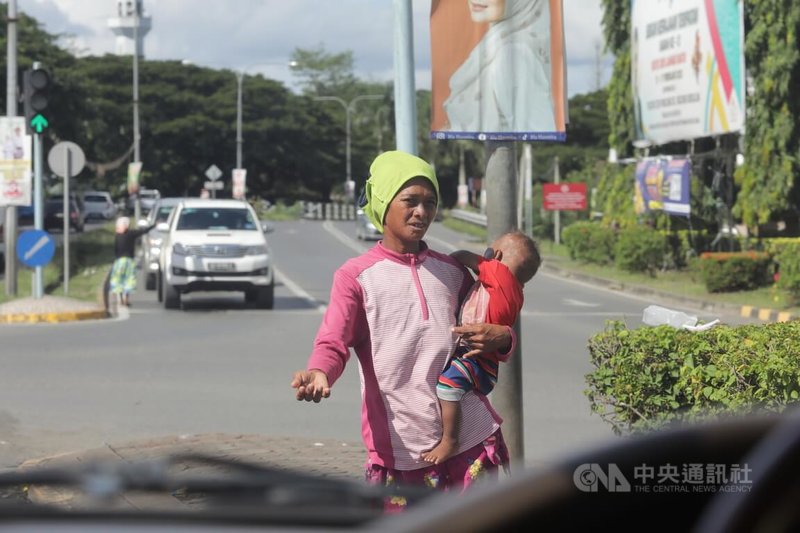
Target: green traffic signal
x=39, y=123
x=36, y=84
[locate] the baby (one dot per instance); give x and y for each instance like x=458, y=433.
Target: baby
x=495, y=298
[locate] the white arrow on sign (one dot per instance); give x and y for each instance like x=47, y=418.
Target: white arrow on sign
x=213, y=173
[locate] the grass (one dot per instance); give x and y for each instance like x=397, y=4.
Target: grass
x=463, y=226
x=281, y=212
x=687, y=283
x=91, y=256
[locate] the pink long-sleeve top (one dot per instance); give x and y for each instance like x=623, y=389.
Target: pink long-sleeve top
x=396, y=311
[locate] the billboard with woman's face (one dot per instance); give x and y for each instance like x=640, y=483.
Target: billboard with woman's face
x=498, y=70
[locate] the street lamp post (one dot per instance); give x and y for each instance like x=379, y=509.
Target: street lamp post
x=349, y=107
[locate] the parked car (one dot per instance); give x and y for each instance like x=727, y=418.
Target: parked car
x=147, y=199
x=151, y=242
x=25, y=215
x=98, y=204
x=54, y=215
x=365, y=229
x=216, y=245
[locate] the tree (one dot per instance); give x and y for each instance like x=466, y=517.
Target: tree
x=769, y=178
x=321, y=72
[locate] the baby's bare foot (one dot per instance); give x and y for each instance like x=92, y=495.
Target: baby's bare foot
x=442, y=452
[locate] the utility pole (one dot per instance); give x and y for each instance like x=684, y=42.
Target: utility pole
x=405, y=94
x=501, y=185
x=137, y=155
x=557, y=213
x=349, y=108
x=11, y=111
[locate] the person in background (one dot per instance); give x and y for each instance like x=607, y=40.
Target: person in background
x=123, y=271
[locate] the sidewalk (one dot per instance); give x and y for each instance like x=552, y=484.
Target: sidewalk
x=324, y=457
x=49, y=309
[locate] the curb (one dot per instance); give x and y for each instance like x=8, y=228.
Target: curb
x=745, y=311
x=766, y=315
x=324, y=457
x=52, y=318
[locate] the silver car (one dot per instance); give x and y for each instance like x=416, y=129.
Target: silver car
x=98, y=204
x=365, y=229
x=151, y=242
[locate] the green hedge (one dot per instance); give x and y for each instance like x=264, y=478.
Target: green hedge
x=640, y=249
x=682, y=245
x=590, y=242
x=650, y=377
x=788, y=261
x=735, y=271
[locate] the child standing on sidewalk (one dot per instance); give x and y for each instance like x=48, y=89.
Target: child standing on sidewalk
x=496, y=298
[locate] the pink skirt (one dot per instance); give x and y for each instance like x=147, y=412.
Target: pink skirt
x=479, y=463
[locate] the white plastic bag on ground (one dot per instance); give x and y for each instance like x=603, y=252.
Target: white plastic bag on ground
x=655, y=315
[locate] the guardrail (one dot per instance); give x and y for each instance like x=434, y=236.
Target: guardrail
x=469, y=216
x=326, y=211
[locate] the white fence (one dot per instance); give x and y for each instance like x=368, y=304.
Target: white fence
x=327, y=211
x=469, y=216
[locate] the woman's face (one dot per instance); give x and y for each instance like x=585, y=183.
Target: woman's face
x=409, y=214
x=487, y=10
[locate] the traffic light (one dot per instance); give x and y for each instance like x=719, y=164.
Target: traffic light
x=35, y=88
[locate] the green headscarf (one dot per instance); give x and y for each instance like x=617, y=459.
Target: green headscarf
x=388, y=173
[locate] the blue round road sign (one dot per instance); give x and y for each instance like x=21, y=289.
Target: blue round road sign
x=35, y=248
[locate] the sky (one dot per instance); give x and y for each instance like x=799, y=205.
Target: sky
x=260, y=35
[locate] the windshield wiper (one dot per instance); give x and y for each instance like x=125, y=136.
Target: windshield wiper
x=242, y=492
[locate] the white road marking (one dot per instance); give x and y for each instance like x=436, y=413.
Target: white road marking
x=343, y=238
x=298, y=291
x=579, y=303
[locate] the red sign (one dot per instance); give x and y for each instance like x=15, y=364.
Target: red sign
x=564, y=196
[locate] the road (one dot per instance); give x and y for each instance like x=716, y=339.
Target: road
x=221, y=366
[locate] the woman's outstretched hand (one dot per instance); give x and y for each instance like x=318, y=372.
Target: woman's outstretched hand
x=311, y=385
x=484, y=338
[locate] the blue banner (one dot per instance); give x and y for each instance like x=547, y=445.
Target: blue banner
x=663, y=185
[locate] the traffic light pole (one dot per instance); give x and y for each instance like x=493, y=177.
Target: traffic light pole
x=11, y=111
x=38, y=209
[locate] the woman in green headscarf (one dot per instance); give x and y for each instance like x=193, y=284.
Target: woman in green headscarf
x=396, y=306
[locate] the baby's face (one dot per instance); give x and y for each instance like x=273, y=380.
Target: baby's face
x=507, y=248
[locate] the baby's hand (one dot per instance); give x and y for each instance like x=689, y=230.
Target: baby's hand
x=311, y=385
x=484, y=338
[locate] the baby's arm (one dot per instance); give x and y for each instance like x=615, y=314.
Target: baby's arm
x=468, y=259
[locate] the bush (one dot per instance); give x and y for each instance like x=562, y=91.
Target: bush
x=640, y=249
x=735, y=271
x=650, y=377
x=589, y=242
x=682, y=245
x=788, y=260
